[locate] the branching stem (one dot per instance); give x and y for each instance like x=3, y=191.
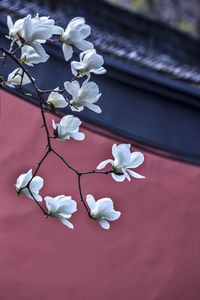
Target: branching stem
x=44, y=124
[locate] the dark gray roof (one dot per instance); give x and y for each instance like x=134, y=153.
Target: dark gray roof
x=125, y=36
x=138, y=102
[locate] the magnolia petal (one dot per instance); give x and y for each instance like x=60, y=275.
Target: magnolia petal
x=91, y=202
x=85, y=32
x=73, y=35
x=54, y=125
x=25, y=80
x=65, y=215
x=23, y=179
x=137, y=158
x=122, y=154
x=29, y=56
x=83, y=45
x=62, y=135
x=58, y=30
x=42, y=32
x=113, y=215
x=118, y=178
x=62, y=131
x=104, y=163
x=104, y=224
x=15, y=78
x=91, y=59
x=70, y=123
x=36, y=196
x=94, y=107
x=59, y=103
x=20, y=179
x=60, y=197
x=114, y=147
x=74, y=21
x=79, y=136
x=38, y=48
x=66, y=222
x=27, y=28
x=94, y=100
x=75, y=66
x=134, y=174
x=67, y=51
x=89, y=90
x=36, y=183
x=67, y=207
x=77, y=109
x=72, y=87
x=83, y=54
x=104, y=206
x=9, y=23
x=99, y=71
x=26, y=192
x=36, y=59
x=126, y=175
x=50, y=204
x=57, y=100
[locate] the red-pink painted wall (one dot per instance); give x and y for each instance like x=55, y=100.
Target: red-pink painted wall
x=151, y=253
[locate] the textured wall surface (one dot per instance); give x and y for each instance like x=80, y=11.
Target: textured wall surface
x=151, y=252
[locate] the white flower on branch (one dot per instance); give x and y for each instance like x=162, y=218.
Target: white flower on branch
x=124, y=160
x=75, y=34
x=68, y=127
x=35, y=185
x=29, y=56
x=56, y=99
x=90, y=62
x=32, y=31
x=61, y=207
x=102, y=210
x=86, y=95
x=17, y=77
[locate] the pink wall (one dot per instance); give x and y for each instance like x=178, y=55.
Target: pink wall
x=151, y=253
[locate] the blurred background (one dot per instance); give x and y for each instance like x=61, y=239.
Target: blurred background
x=180, y=14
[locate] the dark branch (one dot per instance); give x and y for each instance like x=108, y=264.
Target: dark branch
x=49, y=146
x=45, y=213
x=81, y=195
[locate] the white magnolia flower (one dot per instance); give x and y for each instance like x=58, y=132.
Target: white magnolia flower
x=61, y=207
x=90, y=62
x=102, y=210
x=29, y=56
x=32, y=31
x=35, y=185
x=86, y=95
x=56, y=99
x=68, y=127
x=15, y=78
x=124, y=160
x=75, y=34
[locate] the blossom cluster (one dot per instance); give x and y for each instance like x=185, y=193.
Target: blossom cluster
x=102, y=211
x=29, y=34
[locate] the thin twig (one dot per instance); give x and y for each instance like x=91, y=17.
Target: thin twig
x=66, y=163
x=96, y=172
x=81, y=195
x=37, y=201
x=41, y=161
